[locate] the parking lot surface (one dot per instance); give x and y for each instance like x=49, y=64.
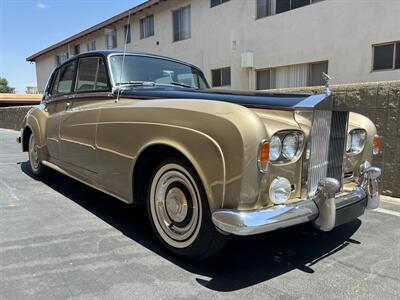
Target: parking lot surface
x=61, y=239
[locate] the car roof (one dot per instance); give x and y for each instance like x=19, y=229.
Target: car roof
x=107, y=53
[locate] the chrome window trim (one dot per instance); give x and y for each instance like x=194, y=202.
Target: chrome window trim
x=150, y=56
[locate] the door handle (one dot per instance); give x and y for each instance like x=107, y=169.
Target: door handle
x=69, y=103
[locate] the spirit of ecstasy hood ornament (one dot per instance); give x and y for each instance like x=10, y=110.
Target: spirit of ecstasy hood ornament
x=326, y=78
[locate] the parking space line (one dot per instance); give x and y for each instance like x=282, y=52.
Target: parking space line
x=391, y=200
x=388, y=212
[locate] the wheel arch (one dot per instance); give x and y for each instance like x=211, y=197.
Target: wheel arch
x=26, y=133
x=35, y=123
x=152, y=154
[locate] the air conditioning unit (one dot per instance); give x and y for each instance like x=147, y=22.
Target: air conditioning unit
x=247, y=60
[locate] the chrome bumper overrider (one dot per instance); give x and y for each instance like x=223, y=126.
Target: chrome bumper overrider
x=325, y=210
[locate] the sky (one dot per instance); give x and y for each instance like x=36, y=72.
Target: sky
x=28, y=26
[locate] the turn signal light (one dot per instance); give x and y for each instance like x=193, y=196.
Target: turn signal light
x=376, y=146
x=263, y=156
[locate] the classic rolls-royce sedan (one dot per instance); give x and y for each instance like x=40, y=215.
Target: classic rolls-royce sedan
x=208, y=163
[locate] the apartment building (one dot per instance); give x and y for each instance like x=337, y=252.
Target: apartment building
x=252, y=44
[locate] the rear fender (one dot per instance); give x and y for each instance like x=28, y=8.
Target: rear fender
x=35, y=121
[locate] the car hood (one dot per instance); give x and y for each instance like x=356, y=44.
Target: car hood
x=248, y=99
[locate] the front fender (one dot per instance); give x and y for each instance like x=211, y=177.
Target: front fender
x=220, y=139
x=353, y=162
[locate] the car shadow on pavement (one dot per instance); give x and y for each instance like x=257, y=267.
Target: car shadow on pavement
x=244, y=261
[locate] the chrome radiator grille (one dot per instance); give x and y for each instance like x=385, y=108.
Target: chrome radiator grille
x=328, y=137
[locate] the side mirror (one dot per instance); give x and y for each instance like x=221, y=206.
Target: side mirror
x=115, y=90
x=46, y=98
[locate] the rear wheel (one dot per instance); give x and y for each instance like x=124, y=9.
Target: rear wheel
x=36, y=166
x=179, y=212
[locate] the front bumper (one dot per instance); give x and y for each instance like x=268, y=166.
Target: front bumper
x=326, y=209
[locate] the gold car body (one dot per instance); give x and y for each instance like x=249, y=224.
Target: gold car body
x=100, y=141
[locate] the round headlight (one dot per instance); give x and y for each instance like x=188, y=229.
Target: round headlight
x=348, y=143
x=275, y=148
x=280, y=190
x=357, y=140
x=290, y=146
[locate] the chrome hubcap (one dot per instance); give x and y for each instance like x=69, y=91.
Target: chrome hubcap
x=33, y=153
x=176, y=205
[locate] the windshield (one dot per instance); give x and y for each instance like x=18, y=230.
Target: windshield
x=159, y=71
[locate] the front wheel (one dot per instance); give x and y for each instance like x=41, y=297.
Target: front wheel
x=179, y=212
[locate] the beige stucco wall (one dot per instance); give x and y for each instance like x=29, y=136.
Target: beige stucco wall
x=44, y=66
x=340, y=31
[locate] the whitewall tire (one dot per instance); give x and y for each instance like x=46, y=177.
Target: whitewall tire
x=179, y=212
x=37, y=167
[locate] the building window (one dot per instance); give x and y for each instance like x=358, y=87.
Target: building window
x=263, y=79
x=386, y=56
x=291, y=76
x=397, y=63
x=147, y=27
x=272, y=7
x=111, y=38
x=91, y=75
x=181, y=23
x=127, y=33
x=282, y=6
x=217, y=2
x=315, y=73
x=264, y=8
x=91, y=46
x=299, y=3
x=77, y=49
x=61, y=58
x=221, y=77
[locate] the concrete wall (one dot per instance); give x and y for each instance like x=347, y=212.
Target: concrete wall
x=11, y=117
x=339, y=31
x=379, y=101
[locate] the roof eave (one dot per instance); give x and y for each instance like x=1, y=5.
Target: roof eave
x=132, y=11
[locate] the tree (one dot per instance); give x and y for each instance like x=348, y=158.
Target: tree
x=4, y=88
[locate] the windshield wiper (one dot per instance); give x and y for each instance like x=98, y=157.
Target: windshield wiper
x=137, y=83
x=152, y=84
x=182, y=84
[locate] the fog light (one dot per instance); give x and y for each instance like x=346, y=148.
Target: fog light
x=280, y=190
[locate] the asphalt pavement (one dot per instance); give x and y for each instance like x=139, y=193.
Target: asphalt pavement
x=61, y=239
